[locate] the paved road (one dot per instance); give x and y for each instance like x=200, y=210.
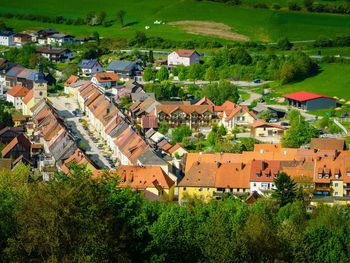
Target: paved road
x=234, y=82
x=308, y=117
x=65, y=106
x=253, y=96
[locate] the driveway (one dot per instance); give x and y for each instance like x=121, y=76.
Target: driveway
x=65, y=107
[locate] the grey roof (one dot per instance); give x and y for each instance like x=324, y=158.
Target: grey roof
x=14, y=71
x=150, y=158
x=79, y=83
x=149, y=133
x=60, y=36
x=141, y=96
x=121, y=66
x=88, y=63
x=119, y=129
x=6, y=33
x=259, y=108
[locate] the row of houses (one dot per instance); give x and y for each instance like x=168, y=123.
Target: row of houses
x=324, y=169
x=49, y=37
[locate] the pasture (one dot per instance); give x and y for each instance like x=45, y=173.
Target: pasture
x=242, y=21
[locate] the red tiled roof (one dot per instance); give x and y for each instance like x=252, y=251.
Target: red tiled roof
x=106, y=77
x=185, y=52
x=304, y=96
x=28, y=97
x=148, y=122
x=20, y=139
x=72, y=79
x=18, y=91
x=259, y=123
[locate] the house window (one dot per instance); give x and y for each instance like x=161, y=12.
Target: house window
x=348, y=173
x=200, y=189
x=238, y=118
x=208, y=189
x=184, y=189
x=320, y=176
x=336, y=176
x=40, y=93
x=257, y=174
x=254, y=184
x=336, y=184
x=243, y=118
x=336, y=193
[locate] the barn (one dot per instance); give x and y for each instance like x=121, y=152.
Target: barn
x=310, y=101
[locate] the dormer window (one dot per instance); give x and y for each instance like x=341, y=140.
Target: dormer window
x=348, y=172
x=258, y=174
x=320, y=176
x=336, y=174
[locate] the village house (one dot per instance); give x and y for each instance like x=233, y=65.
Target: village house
x=15, y=95
x=59, y=39
x=19, y=146
x=78, y=158
x=20, y=39
x=310, y=101
x=147, y=178
x=7, y=134
x=261, y=128
x=88, y=67
x=55, y=54
x=41, y=36
x=183, y=57
x=234, y=115
x=105, y=79
x=126, y=70
x=7, y=38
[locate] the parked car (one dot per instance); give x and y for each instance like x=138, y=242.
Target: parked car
x=273, y=120
x=256, y=81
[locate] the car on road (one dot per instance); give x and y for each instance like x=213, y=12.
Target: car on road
x=256, y=81
x=273, y=120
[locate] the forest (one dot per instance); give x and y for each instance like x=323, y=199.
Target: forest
x=79, y=218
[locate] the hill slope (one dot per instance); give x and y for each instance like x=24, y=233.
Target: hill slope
x=255, y=24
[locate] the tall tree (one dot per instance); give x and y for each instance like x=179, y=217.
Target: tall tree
x=162, y=74
x=120, y=17
x=285, y=189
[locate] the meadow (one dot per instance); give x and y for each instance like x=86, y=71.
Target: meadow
x=254, y=24
x=333, y=80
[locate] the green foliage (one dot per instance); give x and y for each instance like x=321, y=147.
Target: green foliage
x=6, y=110
x=120, y=17
x=163, y=127
x=148, y=74
x=125, y=102
x=285, y=189
x=300, y=132
x=163, y=73
x=163, y=91
x=284, y=44
x=220, y=92
x=178, y=134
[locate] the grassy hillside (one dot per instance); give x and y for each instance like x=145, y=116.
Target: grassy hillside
x=256, y=24
x=333, y=81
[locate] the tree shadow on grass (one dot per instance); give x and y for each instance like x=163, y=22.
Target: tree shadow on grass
x=131, y=24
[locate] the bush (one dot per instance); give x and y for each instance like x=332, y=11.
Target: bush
x=293, y=6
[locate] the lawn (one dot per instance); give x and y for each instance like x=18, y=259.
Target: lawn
x=333, y=80
x=256, y=24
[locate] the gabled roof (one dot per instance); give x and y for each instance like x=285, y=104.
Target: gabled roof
x=205, y=101
x=185, y=52
x=14, y=71
x=46, y=50
x=121, y=66
x=188, y=109
x=264, y=171
x=18, y=91
x=78, y=157
x=260, y=123
x=88, y=63
x=28, y=97
x=20, y=139
x=231, y=109
x=57, y=35
x=305, y=96
x=72, y=79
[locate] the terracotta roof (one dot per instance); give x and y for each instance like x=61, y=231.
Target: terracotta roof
x=327, y=144
x=148, y=122
x=78, y=157
x=185, y=52
x=199, y=174
x=232, y=175
x=174, y=148
x=20, y=139
x=205, y=101
x=28, y=97
x=142, y=177
x=106, y=77
x=264, y=171
x=72, y=79
x=18, y=91
x=231, y=109
x=304, y=96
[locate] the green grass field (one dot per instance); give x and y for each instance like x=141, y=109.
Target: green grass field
x=257, y=24
x=332, y=81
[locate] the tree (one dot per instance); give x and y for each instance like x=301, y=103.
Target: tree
x=150, y=56
x=120, y=17
x=163, y=127
x=179, y=133
x=125, y=102
x=162, y=74
x=195, y=72
x=284, y=44
x=285, y=191
x=96, y=36
x=148, y=74
x=91, y=18
x=210, y=74
x=101, y=17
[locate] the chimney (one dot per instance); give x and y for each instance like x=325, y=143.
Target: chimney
x=242, y=165
x=264, y=165
x=218, y=164
x=315, y=150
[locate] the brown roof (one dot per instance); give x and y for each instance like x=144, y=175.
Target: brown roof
x=47, y=50
x=205, y=101
x=174, y=148
x=185, y=52
x=327, y=144
x=18, y=91
x=260, y=123
x=20, y=139
x=28, y=97
x=72, y=79
x=78, y=157
x=106, y=77
x=148, y=122
x=200, y=174
x=232, y=175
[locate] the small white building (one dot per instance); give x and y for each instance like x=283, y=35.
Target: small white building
x=60, y=39
x=262, y=175
x=183, y=57
x=7, y=38
x=105, y=79
x=15, y=96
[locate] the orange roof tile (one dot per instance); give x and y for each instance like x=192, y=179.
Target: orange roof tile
x=72, y=79
x=28, y=97
x=106, y=77
x=18, y=91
